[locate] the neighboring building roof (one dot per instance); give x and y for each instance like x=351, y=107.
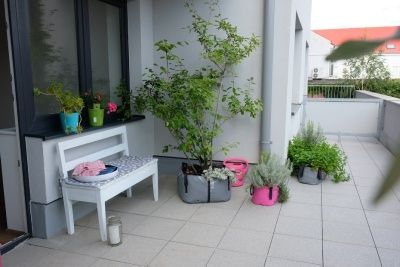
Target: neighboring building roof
x=338, y=36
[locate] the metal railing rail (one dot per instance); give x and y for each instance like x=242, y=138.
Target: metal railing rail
x=331, y=91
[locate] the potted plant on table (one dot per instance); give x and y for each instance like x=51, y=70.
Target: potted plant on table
x=195, y=104
x=98, y=104
x=268, y=180
x=70, y=106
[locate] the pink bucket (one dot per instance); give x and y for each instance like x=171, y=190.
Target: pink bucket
x=266, y=196
x=239, y=166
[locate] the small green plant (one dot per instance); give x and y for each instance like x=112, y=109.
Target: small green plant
x=311, y=135
x=331, y=160
x=310, y=148
x=219, y=173
x=284, y=193
x=68, y=102
x=269, y=172
x=124, y=109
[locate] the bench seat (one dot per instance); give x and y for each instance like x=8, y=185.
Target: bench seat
x=125, y=164
x=131, y=170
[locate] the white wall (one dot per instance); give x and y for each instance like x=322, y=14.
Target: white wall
x=168, y=20
x=345, y=116
x=285, y=69
x=43, y=159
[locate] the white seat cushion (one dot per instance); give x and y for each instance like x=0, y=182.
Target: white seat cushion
x=125, y=164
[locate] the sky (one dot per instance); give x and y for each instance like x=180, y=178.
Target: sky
x=330, y=14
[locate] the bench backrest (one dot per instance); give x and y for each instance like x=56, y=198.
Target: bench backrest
x=65, y=166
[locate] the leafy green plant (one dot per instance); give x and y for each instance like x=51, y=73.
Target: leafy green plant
x=284, y=193
x=331, y=160
x=311, y=135
x=68, y=102
x=270, y=171
x=351, y=49
x=195, y=104
x=310, y=148
x=124, y=109
x=218, y=173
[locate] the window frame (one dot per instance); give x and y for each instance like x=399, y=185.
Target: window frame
x=40, y=123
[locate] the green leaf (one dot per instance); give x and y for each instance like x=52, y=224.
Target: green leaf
x=353, y=48
x=391, y=179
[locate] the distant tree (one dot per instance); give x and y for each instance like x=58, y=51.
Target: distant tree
x=363, y=69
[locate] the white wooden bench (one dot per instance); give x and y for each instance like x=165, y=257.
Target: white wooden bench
x=132, y=170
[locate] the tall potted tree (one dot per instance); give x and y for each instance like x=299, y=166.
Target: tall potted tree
x=194, y=104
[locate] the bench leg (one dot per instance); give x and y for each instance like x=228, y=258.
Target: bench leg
x=69, y=214
x=129, y=192
x=101, y=214
x=155, y=186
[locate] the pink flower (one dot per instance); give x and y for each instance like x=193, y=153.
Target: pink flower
x=111, y=107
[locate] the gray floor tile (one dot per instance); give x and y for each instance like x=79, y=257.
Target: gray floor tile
x=182, y=255
x=129, y=220
x=387, y=220
x=389, y=204
x=216, y=216
x=389, y=257
x=346, y=255
x=299, y=227
x=344, y=215
x=108, y=263
x=138, y=206
x=56, y=241
x=345, y=188
x=247, y=241
x=160, y=228
x=348, y=233
x=345, y=201
x=175, y=208
x=300, y=210
x=135, y=250
x=87, y=242
x=305, y=197
x=368, y=181
x=65, y=259
x=277, y=262
x=296, y=248
x=223, y=258
x=295, y=186
x=200, y=234
x=365, y=170
x=386, y=238
x=254, y=217
x=25, y=256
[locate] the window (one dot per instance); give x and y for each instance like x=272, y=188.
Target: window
x=81, y=43
x=105, y=43
x=331, y=69
x=53, y=48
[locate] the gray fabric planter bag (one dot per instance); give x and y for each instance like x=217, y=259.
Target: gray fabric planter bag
x=307, y=175
x=196, y=189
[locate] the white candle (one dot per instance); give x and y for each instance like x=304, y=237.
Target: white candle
x=113, y=232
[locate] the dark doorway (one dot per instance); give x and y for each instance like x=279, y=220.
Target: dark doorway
x=7, y=132
x=3, y=216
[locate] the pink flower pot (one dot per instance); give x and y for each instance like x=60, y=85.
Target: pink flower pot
x=239, y=166
x=266, y=196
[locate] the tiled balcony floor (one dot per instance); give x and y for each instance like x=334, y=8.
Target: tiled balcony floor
x=325, y=225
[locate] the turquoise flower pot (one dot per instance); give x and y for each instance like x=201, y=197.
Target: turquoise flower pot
x=69, y=122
